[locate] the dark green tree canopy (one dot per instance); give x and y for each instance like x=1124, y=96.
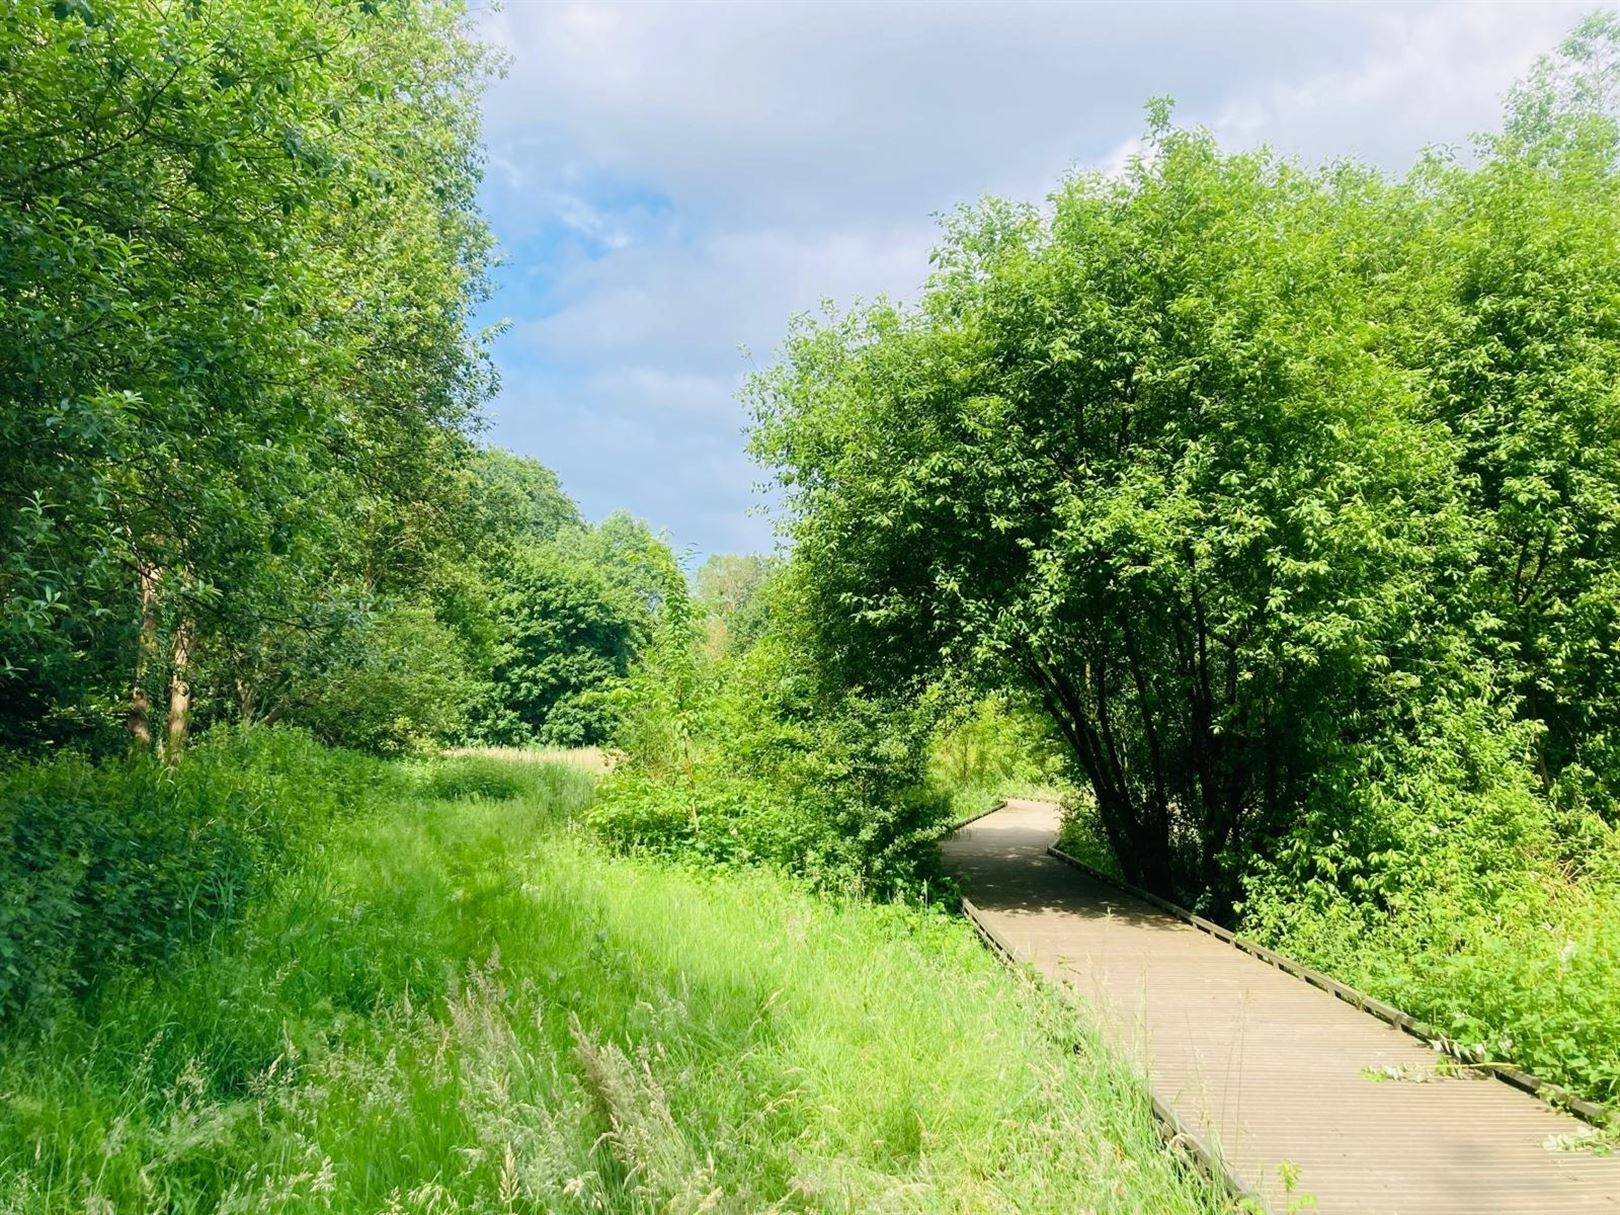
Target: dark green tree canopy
x=516, y=496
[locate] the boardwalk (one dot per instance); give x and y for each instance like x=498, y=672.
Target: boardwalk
x=1270, y=1071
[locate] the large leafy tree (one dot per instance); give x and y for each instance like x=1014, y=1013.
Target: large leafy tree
x=1140, y=457
x=568, y=635
x=238, y=254
x=552, y=614
x=1286, y=492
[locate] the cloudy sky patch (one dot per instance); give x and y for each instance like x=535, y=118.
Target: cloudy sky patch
x=671, y=182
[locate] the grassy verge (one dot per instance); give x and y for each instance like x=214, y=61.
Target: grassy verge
x=1532, y=980
x=107, y=866
x=460, y=1003
x=592, y=759
x=1520, y=965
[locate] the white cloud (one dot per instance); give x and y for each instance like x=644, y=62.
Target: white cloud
x=694, y=302
x=1437, y=77
x=725, y=165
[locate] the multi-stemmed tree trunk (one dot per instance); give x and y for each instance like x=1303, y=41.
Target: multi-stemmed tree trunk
x=177, y=711
x=1138, y=451
x=138, y=722
x=179, y=715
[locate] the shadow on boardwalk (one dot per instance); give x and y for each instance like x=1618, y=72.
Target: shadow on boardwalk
x=1273, y=1073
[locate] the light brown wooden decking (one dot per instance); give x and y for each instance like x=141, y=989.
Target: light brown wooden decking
x=1270, y=1071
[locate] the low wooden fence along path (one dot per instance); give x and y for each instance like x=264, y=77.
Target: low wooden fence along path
x=1292, y=1093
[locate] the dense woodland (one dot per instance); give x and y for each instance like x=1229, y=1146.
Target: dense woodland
x=1267, y=515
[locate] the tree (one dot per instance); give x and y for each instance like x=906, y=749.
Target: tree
x=1512, y=325
x=569, y=635
x=239, y=252
x=512, y=497
x=728, y=590
x=398, y=684
x=1141, y=458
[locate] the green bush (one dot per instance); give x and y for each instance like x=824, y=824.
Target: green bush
x=726, y=818
x=473, y=777
x=120, y=863
x=1464, y=897
x=402, y=683
x=568, y=633
x=756, y=761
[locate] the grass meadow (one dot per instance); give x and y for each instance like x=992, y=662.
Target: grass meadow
x=458, y=1002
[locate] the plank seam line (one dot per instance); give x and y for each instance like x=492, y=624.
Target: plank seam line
x=1553, y=1095
x=1175, y=1132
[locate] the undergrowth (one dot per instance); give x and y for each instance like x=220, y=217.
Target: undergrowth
x=121, y=863
x=459, y=1002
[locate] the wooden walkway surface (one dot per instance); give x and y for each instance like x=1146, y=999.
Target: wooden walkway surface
x=1272, y=1073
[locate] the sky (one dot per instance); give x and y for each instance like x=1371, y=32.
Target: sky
x=671, y=182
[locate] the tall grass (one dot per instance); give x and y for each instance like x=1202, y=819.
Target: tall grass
x=107, y=865
x=463, y=1004
x=592, y=759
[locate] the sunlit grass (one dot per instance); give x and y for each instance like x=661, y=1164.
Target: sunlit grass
x=465, y=1005
x=591, y=759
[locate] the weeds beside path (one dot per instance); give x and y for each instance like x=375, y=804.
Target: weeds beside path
x=462, y=1004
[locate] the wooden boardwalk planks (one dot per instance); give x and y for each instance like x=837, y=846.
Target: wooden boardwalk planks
x=1271, y=1072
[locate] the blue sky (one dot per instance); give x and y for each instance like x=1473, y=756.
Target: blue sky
x=671, y=182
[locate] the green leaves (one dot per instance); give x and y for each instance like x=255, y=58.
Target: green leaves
x=63, y=10
x=238, y=262
x=1254, y=474
x=1142, y=455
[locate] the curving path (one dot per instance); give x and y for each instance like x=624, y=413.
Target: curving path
x=1269, y=1071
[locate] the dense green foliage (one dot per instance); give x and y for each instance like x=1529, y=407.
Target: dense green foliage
x=567, y=634
x=1139, y=458
x=239, y=256
x=727, y=589
x=463, y=1006
x=750, y=755
x=122, y=864
x=1519, y=329
x=995, y=748
x=1271, y=513
x=1293, y=496
x=1472, y=872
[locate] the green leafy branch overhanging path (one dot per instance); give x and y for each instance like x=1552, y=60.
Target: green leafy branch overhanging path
x=1304, y=1100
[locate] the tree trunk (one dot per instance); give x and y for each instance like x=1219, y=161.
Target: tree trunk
x=1137, y=827
x=179, y=695
x=138, y=721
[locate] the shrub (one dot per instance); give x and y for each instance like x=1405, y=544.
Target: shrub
x=403, y=683
x=1464, y=897
x=473, y=777
x=760, y=763
x=122, y=862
